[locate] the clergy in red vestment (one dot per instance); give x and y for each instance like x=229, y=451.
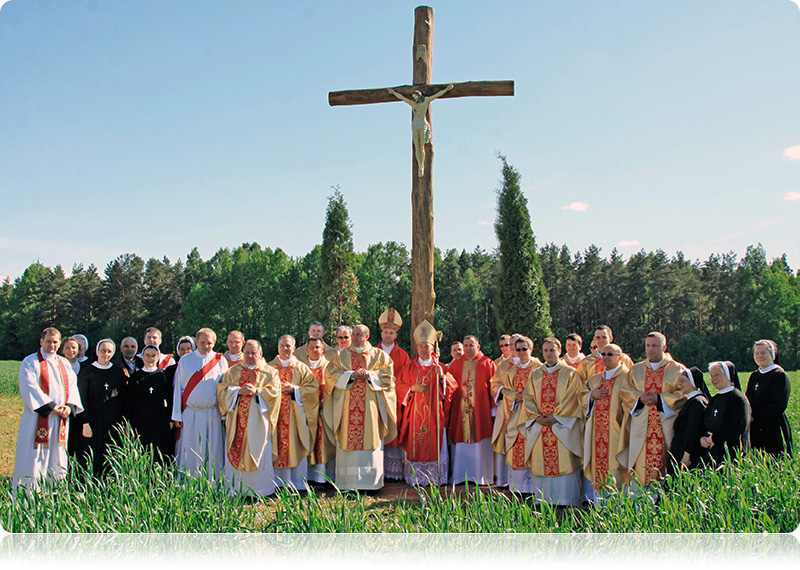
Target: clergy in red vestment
x=469, y=427
x=424, y=394
x=653, y=397
x=361, y=412
x=390, y=323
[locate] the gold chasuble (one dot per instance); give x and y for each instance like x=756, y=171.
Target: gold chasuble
x=296, y=430
x=360, y=414
x=603, y=427
x=250, y=422
x=512, y=441
x=554, y=450
x=324, y=448
x=650, y=430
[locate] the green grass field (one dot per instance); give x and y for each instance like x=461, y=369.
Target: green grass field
x=758, y=494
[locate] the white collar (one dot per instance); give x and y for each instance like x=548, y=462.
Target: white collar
x=428, y=362
x=610, y=373
x=768, y=368
x=314, y=363
x=285, y=362
x=102, y=366
x=146, y=369
x=551, y=368
x=655, y=365
x=49, y=356
x=693, y=393
x=573, y=360
x=726, y=390
x=253, y=367
x=526, y=365
x=235, y=357
x=389, y=348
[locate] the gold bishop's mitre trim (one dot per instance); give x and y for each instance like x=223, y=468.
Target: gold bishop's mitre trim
x=389, y=318
x=425, y=332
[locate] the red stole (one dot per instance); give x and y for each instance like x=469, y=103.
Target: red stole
x=318, y=442
x=284, y=418
x=518, y=449
x=165, y=362
x=549, y=439
x=42, y=436
x=602, y=431
x=192, y=384
x=357, y=406
x=654, y=436
x=599, y=366
x=242, y=413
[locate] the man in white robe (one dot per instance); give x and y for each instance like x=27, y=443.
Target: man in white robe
x=201, y=446
x=248, y=398
x=42, y=439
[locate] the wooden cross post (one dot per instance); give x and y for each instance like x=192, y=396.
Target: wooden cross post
x=422, y=293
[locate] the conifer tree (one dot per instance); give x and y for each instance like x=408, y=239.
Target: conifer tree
x=521, y=303
x=337, y=285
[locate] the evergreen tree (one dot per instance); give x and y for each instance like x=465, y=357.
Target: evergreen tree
x=522, y=302
x=337, y=285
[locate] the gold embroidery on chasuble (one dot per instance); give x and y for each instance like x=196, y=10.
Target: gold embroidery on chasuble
x=423, y=413
x=654, y=465
x=357, y=405
x=317, y=372
x=602, y=431
x=518, y=449
x=468, y=400
x=284, y=419
x=236, y=451
x=549, y=439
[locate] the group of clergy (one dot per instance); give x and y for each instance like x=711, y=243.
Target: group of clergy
x=563, y=429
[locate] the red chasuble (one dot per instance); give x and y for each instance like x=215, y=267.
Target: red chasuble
x=400, y=360
x=549, y=439
x=424, y=413
x=654, y=437
x=317, y=372
x=479, y=391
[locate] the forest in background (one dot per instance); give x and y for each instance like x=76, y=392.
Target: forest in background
x=709, y=310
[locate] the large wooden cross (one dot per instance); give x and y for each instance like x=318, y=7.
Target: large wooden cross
x=422, y=293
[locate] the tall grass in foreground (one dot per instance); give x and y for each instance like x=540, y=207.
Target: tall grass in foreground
x=9, y=377
x=757, y=494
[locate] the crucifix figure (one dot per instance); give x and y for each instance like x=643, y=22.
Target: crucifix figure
x=419, y=95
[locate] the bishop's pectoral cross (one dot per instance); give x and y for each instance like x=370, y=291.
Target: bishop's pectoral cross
x=419, y=96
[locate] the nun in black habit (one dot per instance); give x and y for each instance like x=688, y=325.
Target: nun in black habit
x=148, y=404
x=685, y=448
x=727, y=417
x=102, y=385
x=768, y=391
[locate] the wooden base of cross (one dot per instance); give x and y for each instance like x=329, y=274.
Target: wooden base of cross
x=423, y=296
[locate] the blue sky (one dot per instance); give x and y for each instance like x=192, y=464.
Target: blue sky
x=153, y=127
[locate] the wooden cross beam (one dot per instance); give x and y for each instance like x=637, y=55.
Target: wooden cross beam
x=423, y=296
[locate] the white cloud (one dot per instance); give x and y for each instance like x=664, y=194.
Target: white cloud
x=791, y=196
x=482, y=223
x=792, y=153
x=577, y=207
x=629, y=243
